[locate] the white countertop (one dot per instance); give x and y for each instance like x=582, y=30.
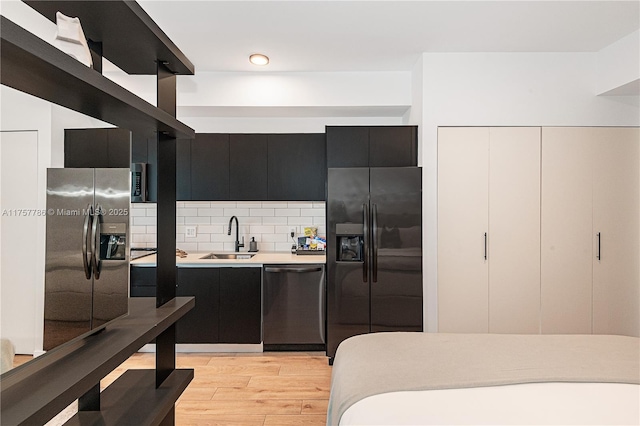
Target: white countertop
x=261, y=258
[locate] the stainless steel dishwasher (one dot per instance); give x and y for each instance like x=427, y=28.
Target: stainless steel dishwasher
x=293, y=307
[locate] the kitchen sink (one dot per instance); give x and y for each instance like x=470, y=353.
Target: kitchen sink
x=228, y=256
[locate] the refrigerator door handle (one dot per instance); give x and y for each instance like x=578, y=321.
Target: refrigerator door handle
x=365, y=233
x=374, y=242
x=95, y=242
x=86, y=259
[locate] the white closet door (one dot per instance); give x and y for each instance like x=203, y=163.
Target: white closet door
x=567, y=238
x=615, y=218
x=462, y=222
x=514, y=230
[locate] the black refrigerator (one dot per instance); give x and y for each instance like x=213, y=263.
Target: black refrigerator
x=374, y=252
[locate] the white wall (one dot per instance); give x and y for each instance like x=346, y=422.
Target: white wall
x=503, y=89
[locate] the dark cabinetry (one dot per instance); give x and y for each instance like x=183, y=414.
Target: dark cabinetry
x=248, y=167
x=201, y=324
x=297, y=167
x=142, y=281
x=228, y=302
x=372, y=146
x=240, y=307
x=210, y=167
x=251, y=167
x=97, y=148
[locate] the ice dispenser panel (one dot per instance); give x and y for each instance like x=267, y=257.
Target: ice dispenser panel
x=113, y=241
x=350, y=242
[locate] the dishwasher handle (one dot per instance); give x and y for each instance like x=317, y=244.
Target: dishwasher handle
x=293, y=269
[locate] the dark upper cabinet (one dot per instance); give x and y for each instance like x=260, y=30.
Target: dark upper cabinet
x=240, y=308
x=372, y=146
x=210, y=167
x=393, y=146
x=248, y=167
x=200, y=325
x=297, y=167
x=102, y=148
x=347, y=146
x=183, y=170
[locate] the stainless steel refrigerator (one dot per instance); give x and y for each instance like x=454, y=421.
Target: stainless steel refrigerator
x=87, y=251
x=374, y=252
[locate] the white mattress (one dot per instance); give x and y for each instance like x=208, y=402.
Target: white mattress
x=534, y=403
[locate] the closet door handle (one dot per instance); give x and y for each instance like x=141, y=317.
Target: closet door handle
x=485, y=246
x=599, y=252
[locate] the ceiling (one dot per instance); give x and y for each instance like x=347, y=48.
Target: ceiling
x=381, y=35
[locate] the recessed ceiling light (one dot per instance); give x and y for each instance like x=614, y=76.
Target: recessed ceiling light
x=259, y=59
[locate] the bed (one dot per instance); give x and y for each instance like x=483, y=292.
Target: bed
x=437, y=378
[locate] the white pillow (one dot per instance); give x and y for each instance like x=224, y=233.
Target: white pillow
x=70, y=39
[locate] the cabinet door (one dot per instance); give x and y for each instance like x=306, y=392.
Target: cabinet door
x=463, y=161
x=142, y=281
x=210, y=167
x=615, y=219
x=183, y=170
x=86, y=148
x=240, y=305
x=248, y=167
x=514, y=230
x=393, y=146
x=119, y=147
x=200, y=325
x=347, y=146
x=297, y=167
x=566, y=230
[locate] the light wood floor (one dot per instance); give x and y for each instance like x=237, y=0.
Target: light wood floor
x=271, y=388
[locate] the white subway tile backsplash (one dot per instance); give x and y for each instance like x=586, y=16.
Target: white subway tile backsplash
x=262, y=229
x=274, y=220
x=312, y=212
x=197, y=220
x=143, y=220
x=287, y=212
x=300, y=204
x=300, y=220
x=197, y=204
x=274, y=238
x=262, y=212
x=187, y=212
x=210, y=229
x=228, y=212
x=275, y=204
x=210, y=212
x=269, y=222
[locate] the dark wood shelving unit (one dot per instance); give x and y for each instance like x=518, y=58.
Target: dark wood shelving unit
x=38, y=390
x=121, y=31
x=130, y=39
x=31, y=65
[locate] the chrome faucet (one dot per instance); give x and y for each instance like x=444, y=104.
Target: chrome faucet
x=238, y=244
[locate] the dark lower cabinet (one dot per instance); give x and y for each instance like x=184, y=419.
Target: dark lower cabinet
x=200, y=325
x=240, y=305
x=142, y=281
x=228, y=302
